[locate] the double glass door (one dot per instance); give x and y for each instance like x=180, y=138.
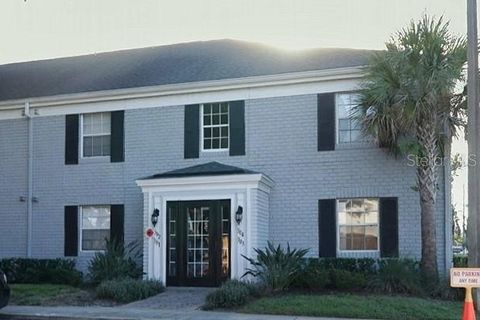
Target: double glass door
x=198, y=243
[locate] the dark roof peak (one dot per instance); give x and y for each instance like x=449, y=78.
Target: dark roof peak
x=207, y=169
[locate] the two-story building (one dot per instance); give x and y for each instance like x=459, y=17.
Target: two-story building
x=219, y=146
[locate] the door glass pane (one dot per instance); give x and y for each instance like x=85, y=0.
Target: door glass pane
x=225, y=214
x=172, y=243
x=198, y=219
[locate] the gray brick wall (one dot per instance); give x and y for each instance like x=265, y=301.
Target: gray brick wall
x=260, y=227
x=13, y=184
x=281, y=141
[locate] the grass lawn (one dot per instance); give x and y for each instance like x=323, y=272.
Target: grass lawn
x=52, y=295
x=356, y=306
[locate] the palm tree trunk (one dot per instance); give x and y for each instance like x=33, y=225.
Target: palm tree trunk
x=427, y=184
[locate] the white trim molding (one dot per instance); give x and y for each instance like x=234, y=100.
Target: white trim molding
x=231, y=181
x=295, y=83
x=236, y=188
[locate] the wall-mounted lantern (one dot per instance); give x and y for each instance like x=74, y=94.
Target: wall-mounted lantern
x=239, y=214
x=154, y=218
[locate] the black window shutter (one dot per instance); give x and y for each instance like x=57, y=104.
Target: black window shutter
x=71, y=139
x=237, y=128
x=327, y=228
x=71, y=231
x=117, y=222
x=388, y=227
x=192, y=131
x=117, y=137
x=326, y=121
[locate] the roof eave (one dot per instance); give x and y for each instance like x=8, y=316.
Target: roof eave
x=186, y=88
x=208, y=180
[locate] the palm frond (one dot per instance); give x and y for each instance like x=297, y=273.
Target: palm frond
x=414, y=81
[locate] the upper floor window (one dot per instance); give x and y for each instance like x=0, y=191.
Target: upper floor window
x=215, y=126
x=358, y=224
x=95, y=137
x=95, y=227
x=348, y=130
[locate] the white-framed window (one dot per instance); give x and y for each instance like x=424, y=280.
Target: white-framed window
x=358, y=224
x=94, y=227
x=95, y=134
x=215, y=127
x=348, y=130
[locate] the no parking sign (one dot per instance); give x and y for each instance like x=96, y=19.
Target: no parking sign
x=467, y=278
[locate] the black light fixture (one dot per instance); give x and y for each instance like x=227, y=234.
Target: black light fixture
x=154, y=218
x=239, y=215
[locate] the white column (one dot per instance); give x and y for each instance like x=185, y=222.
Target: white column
x=238, y=237
x=157, y=240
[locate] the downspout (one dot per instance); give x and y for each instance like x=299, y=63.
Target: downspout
x=29, y=179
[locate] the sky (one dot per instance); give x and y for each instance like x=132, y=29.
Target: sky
x=38, y=29
x=41, y=29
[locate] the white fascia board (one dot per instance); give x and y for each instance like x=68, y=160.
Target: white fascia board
x=340, y=79
x=236, y=181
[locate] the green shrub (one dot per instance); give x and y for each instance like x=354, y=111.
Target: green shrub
x=231, y=294
x=347, y=280
x=54, y=271
x=460, y=261
x=367, y=266
x=275, y=267
x=128, y=290
x=397, y=276
x=116, y=262
x=442, y=290
x=312, y=276
x=362, y=265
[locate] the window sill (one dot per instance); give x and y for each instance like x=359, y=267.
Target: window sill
x=357, y=254
x=358, y=251
x=90, y=252
x=215, y=150
x=355, y=145
x=105, y=159
x=210, y=153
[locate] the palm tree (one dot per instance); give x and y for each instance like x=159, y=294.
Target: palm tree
x=409, y=104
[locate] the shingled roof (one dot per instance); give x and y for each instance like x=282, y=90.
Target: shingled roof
x=169, y=64
x=207, y=169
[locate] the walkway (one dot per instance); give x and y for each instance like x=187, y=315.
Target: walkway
x=174, y=298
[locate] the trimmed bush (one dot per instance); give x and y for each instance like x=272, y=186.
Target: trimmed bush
x=128, y=290
x=54, y=271
x=346, y=280
x=362, y=265
x=397, y=276
x=275, y=267
x=312, y=276
x=231, y=294
x=116, y=262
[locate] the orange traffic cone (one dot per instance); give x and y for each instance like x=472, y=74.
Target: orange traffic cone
x=468, y=309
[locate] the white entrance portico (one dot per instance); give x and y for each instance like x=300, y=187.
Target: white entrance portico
x=209, y=215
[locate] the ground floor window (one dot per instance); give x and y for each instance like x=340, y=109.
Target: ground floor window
x=358, y=224
x=95, y=227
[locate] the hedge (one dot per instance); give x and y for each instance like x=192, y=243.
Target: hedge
x=54, y=271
